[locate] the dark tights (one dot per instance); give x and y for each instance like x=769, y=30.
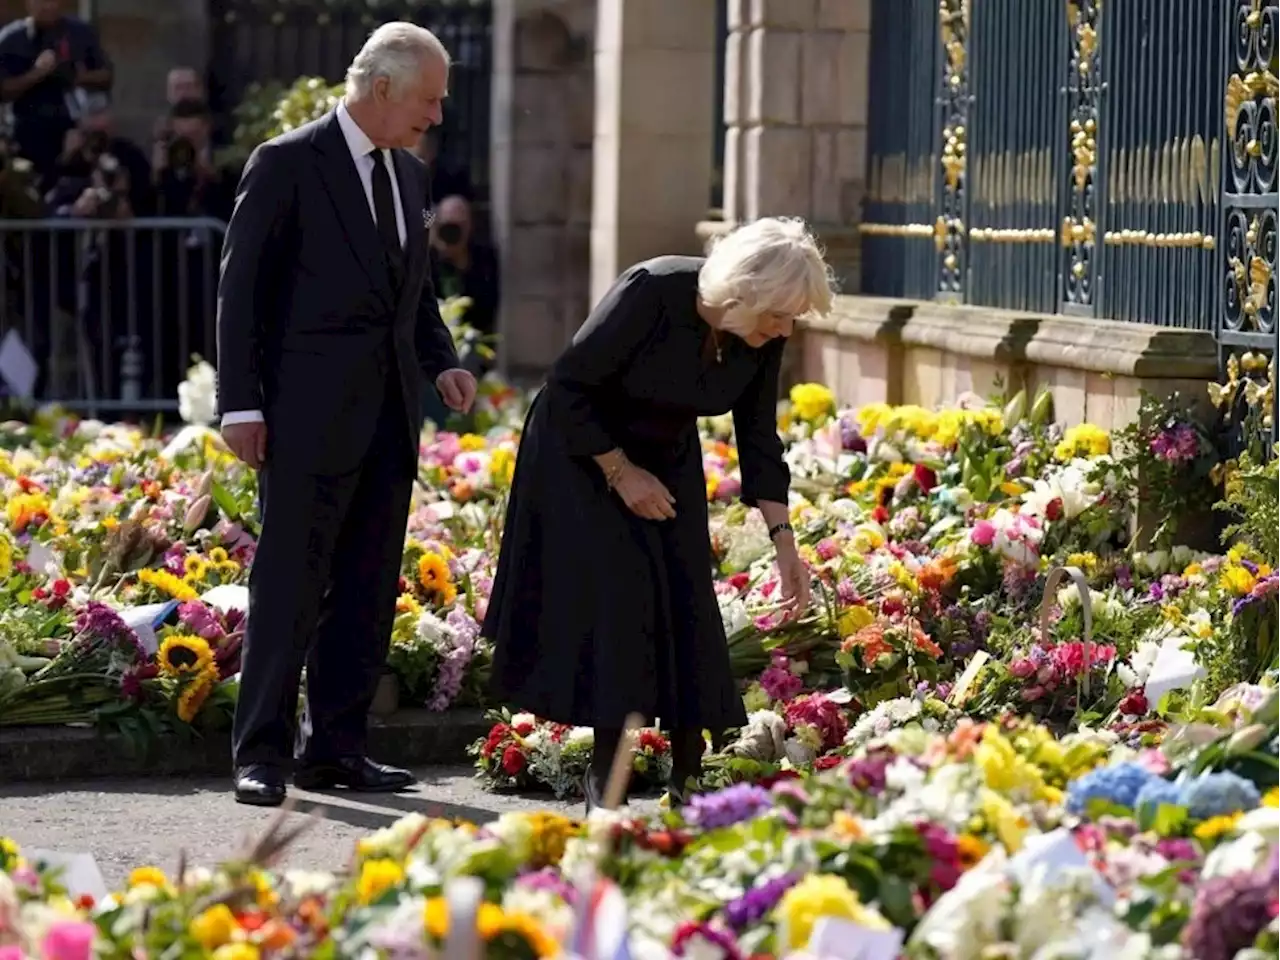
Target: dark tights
x=686, y=754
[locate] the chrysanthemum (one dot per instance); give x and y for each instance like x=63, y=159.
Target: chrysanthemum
x=184, y=654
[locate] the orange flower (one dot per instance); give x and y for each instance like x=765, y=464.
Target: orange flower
x=870, y=641
x=922, y=641
x=936, y=574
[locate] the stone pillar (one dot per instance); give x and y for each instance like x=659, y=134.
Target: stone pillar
x=796, y=117
x=654, y=117
x=540, y=159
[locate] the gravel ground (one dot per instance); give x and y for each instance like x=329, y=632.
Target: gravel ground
x=127, y=823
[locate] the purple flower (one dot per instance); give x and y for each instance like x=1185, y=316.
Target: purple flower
x=550, y=880
x=868, y=774
x=749, y=908
x=200, y=619
x=1177, y=848
x=850, y=438
x=1176, y=444
x=1228, y=914
x=97, y=625
x=735, y=804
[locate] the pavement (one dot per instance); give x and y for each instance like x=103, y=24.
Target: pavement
x=131, y=822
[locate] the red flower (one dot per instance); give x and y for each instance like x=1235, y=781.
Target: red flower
x=925, y=478
x=880, y=514
x=827, y=762
x=523, y=729
x=1053, y=509
x=653, y=741
x=740, y=581
x=27, y=485
x=61, y=587
x=512, y=760
x=1134, y=704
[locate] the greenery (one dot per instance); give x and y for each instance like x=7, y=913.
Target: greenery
x=269, y=110
x=1251, y=500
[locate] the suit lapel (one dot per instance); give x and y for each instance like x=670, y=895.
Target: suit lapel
x=338, y=171
x=413, y=202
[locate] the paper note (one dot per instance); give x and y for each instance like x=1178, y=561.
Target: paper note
x=43, y=560
x=1174, y=669
x=228, y=596
x=1050, y=854
x=79, y=872
x=146, y=620
x=840, y=939
x=18, y=368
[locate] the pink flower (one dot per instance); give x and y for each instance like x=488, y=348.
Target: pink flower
x=827, y=549
x=72, y=940
x=728, y=488
x=779, y=682
x=1032, y=694
x=1022, y=668
x=983, y=533
x=11, y=953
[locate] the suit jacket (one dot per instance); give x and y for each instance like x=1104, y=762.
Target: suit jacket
x=310, y=325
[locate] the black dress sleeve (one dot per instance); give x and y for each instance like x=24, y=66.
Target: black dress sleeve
x=765, y=475
x=619, y=325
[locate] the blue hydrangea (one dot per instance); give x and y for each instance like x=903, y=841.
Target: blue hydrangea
x=1156, y=794
x=1119, y=785
x=1219, y=794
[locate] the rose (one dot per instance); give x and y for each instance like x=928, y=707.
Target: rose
x=1134, y=704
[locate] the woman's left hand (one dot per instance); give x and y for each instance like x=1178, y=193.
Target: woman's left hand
x=795, y=579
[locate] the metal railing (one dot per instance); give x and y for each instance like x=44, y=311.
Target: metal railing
x=1071, y=156
x=112, y=310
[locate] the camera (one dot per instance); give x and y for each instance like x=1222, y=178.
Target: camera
x=181, y=156
x=108, y=186
x=449, y=233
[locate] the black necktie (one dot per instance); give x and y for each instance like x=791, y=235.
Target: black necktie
x=384, y=205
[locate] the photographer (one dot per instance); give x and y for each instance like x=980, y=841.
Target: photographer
x=187, y=182
x=188, y=185
x=48, y=62
x=462, y=266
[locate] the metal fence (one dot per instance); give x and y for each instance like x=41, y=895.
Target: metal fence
x=1108, y=159
x=112, y=310
x=259, y=41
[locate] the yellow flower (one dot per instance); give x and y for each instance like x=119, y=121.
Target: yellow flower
x=151, y=876
x=853, y=620
x=184, y=654
x=816, y=896
x=1215, y=827
x=812, y=401
x=845, y=826
x=228, y=568
x=1004, y=770
x=471, y=442
x=218, y=555
x=407, y=604
x=376, y=878
x=237, y=951
x=533, y=933
x=1003, y=818
x=1084, y=440
x=195, y=569
x=24, y=508
x=214, y=926
x=1011, y=489
x=551, y=833
x=1271, y=798
x=196, y=692
x=970, y=850
x=6, y=557
x=433, y=574
x=1236, y=580
x=502, y=466
x=1087, y=562
x=166, y=582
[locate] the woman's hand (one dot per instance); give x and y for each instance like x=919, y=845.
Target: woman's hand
x=795, y=577
x=644, y=494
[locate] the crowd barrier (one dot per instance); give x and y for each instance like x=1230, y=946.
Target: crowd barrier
x=111, y=310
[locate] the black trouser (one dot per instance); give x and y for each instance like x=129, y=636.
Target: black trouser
x=322, y=591
x=687, y=747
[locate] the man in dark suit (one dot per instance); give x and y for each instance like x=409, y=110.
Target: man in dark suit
x=326, y=322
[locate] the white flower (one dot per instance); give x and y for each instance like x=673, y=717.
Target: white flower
x=431, y=629
x=517, y=719
x=198, y=394
x=967, y=918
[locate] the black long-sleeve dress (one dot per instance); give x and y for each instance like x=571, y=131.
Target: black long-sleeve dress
x=595, y=612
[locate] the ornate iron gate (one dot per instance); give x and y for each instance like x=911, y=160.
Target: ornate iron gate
x=259, y=41
x=1108, y=158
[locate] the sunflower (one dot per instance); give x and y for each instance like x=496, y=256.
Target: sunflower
x=196, y=693
x=6, y=558
x=167, y=583
x=433, y=574
x=184, y=654
x=218, y=555
x=195, y=568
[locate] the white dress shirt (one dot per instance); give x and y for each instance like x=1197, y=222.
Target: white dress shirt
x=361, y=148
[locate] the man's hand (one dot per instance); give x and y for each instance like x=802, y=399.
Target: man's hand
x=248, y=441
x=457, y=389
x=45, y=64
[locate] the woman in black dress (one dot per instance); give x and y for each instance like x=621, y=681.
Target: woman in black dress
x=603, y=603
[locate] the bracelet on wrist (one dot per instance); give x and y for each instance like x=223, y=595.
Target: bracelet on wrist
x=613, y=473
x=779, y=528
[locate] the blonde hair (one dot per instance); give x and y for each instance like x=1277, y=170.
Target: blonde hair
x=773, y=263
x=396, y=51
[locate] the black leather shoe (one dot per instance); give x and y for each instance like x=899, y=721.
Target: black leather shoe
x=259, y=785
x=355, y=773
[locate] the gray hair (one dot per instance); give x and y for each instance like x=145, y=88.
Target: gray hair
x=396, y=51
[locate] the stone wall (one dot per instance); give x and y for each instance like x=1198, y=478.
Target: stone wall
x=796, y=117
x=541, y=157
x=896, y=351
